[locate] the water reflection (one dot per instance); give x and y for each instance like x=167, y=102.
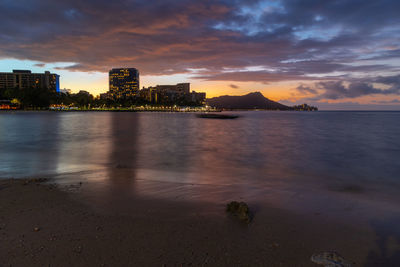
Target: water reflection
x=84, y=144
x=29, y=144
x=123, y=152
x=261, y=155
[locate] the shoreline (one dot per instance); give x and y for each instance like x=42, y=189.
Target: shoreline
x=42, y=224
x=109, y=110
x=189, y=110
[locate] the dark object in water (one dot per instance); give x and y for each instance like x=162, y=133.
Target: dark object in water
x=240, y=210
x=216, y=116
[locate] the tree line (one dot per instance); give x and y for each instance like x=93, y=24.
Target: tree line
x=42, y=98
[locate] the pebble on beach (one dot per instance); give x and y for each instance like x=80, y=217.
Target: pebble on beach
x=330, y=259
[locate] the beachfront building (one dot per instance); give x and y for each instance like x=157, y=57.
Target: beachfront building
x=23, y=79
x=124, y=83
x=168, y=94
x=196, y=97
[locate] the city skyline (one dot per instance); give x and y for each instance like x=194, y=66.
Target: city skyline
x=339, y=55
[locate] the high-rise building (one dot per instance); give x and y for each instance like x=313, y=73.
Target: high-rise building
x=124, y=83
x=22, y=79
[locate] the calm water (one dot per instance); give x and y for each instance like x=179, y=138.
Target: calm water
x=287, y=158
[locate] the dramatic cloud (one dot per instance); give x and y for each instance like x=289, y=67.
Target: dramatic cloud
x=306, y=90
x=228, y=40
x=363, y=87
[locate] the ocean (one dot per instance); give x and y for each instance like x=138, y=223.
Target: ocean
x=344, y=163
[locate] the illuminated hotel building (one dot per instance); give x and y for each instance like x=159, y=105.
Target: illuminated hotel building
x=124, y=83
x=22, y=79
x=172, y=93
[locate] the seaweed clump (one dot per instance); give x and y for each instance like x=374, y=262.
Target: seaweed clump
x=240, y=210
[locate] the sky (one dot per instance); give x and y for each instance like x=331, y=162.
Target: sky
x=334, y=54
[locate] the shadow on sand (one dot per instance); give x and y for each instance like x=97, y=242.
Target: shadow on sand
x=387, y=252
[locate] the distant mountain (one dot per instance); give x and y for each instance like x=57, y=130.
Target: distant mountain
x=250, y=101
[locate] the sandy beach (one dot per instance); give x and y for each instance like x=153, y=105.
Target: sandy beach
x=42, y=224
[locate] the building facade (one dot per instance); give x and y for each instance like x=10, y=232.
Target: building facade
x=196, y=97
x=168, y=94
x=124, y=83
x=22, y=79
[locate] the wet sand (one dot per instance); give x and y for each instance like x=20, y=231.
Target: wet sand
x=45, y=225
